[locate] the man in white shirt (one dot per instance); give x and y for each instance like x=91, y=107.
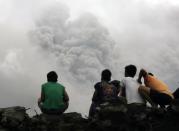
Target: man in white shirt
x=130, y=86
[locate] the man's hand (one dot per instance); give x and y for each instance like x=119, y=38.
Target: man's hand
x=139, y=81
x=39, y=102
x=142, y=73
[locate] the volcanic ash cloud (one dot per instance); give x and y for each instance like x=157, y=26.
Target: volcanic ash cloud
x=81, y=47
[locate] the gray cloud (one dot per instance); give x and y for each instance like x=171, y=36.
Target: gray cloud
x=147, y=37
x=82, y=47
x=79, y=48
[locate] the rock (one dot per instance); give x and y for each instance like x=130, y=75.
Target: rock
x=73, y=121
x=114, y=110
x=137, y=112
x=111, y=116
x=4, y=130
x=72, y=117
x=13, y=116
x=65, y=122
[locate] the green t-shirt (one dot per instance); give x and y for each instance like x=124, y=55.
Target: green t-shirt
x=54, y=93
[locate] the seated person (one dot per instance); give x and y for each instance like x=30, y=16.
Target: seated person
x=54, y=99
x=104, y=91
x=155, y=91
x=129, y=86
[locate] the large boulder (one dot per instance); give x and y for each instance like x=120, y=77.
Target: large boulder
x=121, y=116
x=66, y=122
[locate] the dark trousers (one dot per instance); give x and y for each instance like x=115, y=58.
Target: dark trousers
x=93, y=110
x=160, y=98
x=53, y=111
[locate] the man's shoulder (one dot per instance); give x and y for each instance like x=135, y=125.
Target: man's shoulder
x=97, y=85
x=51, y=83
x=60, y=85
x=130, y=80
x=45, y=84
x=125, y=79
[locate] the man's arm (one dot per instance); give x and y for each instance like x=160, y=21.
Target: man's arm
x=42, y=97
x=96, y=97
x=142, y=73
x=122, y=89
x=66, y=98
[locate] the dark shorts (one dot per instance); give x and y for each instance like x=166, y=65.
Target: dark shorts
x=52, y=111
x=160, y=98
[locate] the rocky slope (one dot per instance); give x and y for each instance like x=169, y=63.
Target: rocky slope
x=115, y=116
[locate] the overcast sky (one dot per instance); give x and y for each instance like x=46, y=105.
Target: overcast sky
x=79, y=39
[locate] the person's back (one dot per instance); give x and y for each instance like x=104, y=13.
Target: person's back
x=131, y=89
x=104, y=91
x=156, y=84
x=54, y=99
x=155, y=91
x=53, y=93
x=109, y=92
x=100, y=95
x=130, y=86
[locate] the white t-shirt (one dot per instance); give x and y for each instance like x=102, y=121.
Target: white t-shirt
x=131, y=87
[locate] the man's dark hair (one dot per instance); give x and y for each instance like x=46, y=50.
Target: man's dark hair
x=130, y=70
x=150, y=74
x=106, y=75
x=116, y=83
x=52, y=76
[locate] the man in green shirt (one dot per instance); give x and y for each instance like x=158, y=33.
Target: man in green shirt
x=54, y=98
